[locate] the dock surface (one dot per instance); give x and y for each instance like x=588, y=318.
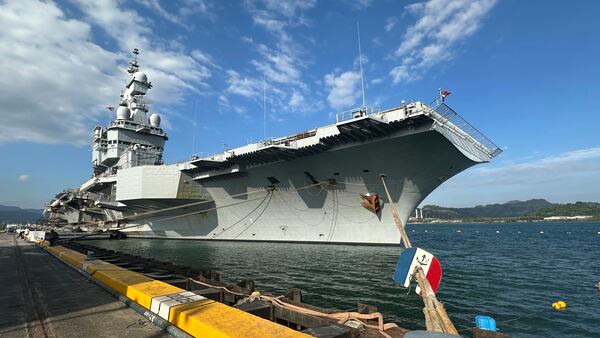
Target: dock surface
x=42, y=297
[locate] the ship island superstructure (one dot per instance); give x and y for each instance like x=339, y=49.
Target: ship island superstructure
x=322, y=185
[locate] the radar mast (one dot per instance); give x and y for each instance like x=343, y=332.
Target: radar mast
x=133, y=64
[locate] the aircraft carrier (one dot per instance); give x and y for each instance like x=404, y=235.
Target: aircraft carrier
x=321, y=185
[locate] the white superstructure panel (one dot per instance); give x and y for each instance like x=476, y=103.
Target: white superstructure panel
x=148, y=182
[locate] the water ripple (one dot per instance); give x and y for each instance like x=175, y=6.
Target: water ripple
x=516, y=273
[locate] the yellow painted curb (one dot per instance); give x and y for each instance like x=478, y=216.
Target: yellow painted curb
x=199, y=318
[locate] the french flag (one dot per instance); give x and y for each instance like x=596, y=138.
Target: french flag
x=410, y=259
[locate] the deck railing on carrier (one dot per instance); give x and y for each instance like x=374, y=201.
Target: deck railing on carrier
x=447, y=117
x=356, y=113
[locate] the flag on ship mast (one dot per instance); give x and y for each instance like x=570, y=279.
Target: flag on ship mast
x=444, y=93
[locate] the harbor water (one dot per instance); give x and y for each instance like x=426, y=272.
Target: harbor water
x=512, y=272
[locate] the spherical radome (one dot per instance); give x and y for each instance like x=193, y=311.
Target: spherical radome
x=123, y=113
x=155, y=120
x=140, y=77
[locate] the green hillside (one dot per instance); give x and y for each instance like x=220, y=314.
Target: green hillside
x=10, y=214
x=534, y=208
x=570, y=209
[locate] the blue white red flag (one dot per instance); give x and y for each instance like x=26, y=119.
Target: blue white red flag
x=410, y=259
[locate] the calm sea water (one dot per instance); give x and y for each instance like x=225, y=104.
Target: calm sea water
x=514, y=275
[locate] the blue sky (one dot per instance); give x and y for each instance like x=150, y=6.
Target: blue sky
x=526, y=73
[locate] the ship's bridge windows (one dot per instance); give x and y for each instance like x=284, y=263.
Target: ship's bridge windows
x=273, y=179
x=365, y=170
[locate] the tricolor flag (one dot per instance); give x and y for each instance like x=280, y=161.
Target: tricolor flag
x=410, y=259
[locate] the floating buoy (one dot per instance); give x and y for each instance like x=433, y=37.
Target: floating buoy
x=518, y=232
x=457, y=230
x=497, y=231
x=568, y=232
x=559, y=305
x=541, y=232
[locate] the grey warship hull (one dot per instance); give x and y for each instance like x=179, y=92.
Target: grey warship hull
x=307, y=187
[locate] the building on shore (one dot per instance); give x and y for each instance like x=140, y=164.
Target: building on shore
x=567, y=218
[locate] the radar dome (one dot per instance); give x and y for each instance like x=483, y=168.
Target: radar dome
x=140, y=77
x=123, y=113
x=155, y=120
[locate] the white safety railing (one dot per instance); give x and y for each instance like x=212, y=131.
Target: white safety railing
x=447, y=117
x=356, y=113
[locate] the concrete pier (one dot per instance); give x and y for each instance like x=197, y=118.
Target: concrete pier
x=42, y=297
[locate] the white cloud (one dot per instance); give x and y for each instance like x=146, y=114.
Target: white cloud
x=361, y=4
x=564, y=177
x=390, y=23
x=57, y=81
x=204, y=58
x=296, y=100
x=278, y=15
x=377, y=81
x=247, y=87
x=191, y=7
x=543, y=169
x=174, y=71
x=185, y=9
x=54, y=79
x=226, y=107
x=344, y=89
x=289, y=8
x=281, y=64
x=23, y=178
x=440, y=26
x=278, y=66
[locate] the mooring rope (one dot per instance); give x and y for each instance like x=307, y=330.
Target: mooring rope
x=436, y=317
x=269, y=189
x=212, y=200
x=341, y=317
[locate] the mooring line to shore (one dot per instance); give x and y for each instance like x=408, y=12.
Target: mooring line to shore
x=436, y=317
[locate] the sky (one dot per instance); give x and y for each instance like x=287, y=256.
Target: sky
x=525, y=73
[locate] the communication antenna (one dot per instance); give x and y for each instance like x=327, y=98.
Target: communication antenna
x=362, y=82
x=264, y=110
x=195, y=123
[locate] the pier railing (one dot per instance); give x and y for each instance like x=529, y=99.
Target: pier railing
x=448, y=118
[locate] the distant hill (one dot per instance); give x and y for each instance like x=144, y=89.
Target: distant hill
x=570, y=209
x=10, y=214
x=508, y=209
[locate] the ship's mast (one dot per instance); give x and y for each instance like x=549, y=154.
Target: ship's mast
x=133, y=64
x=362, y=82
x=264, y=110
